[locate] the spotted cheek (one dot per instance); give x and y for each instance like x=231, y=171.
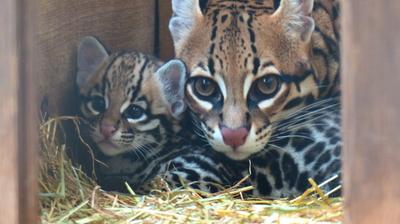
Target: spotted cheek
x=126, y=136
x=259, y=136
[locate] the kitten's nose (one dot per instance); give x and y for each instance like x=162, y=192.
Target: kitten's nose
x=107, y=130
x=234, y=137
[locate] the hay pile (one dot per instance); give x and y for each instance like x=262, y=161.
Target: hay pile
x=67, y=195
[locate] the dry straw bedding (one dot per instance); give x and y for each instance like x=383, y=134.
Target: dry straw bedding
x=67, y=195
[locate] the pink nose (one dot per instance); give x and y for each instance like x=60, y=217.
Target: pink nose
x=107, y=130
x=234, y=137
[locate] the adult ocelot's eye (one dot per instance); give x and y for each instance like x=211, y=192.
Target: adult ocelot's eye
x=134, y=113
x=267, y=86
x=205, y=86
x=97, y=104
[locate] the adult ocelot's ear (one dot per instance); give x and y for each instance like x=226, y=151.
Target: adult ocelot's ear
x=171, y=78
x=185, y=15
x=91, y=54
x=295, y=16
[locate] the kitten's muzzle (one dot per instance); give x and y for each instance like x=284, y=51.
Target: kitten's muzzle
x=107, y=130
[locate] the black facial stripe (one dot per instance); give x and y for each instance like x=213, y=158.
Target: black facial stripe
x=214, y=33
x=253, y=49
x=212, y=48
x=296, y=79
x=139, y=83
x=252, y=35
x=293, y=103
x=256, y=65
x=211, y=66
x=215, y=17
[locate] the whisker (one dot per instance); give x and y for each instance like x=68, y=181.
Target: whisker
x=314, y=105
x=277, y=138
x=275, y=146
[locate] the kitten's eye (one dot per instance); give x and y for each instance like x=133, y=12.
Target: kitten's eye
x=205, y=86
x=97, y=104
x=265, y=87
x=134, y=112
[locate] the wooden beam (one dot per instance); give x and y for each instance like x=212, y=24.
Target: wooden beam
x=28, y=112
x=166, y=48
x=18, y=114
x=8, y=113
x=371, y=102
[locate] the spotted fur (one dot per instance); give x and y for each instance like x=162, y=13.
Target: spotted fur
x=308, y=145
x=252, y=63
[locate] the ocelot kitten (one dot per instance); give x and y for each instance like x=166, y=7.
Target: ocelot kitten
x=134, y=112
x=250, y=66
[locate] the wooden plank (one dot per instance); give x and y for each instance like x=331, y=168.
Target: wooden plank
x=28, y=113
x=166, y=48
x=8, y=112
x=18, y=126
x=371, y=102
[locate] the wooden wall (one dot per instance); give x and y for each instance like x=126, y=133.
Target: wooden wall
x=371, y=130
x=18, y=112
x=166, y=48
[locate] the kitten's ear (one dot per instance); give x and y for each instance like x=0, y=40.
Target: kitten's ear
x=91, y=54
x=185, y=15
x=296, y=18
x=172, y=77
